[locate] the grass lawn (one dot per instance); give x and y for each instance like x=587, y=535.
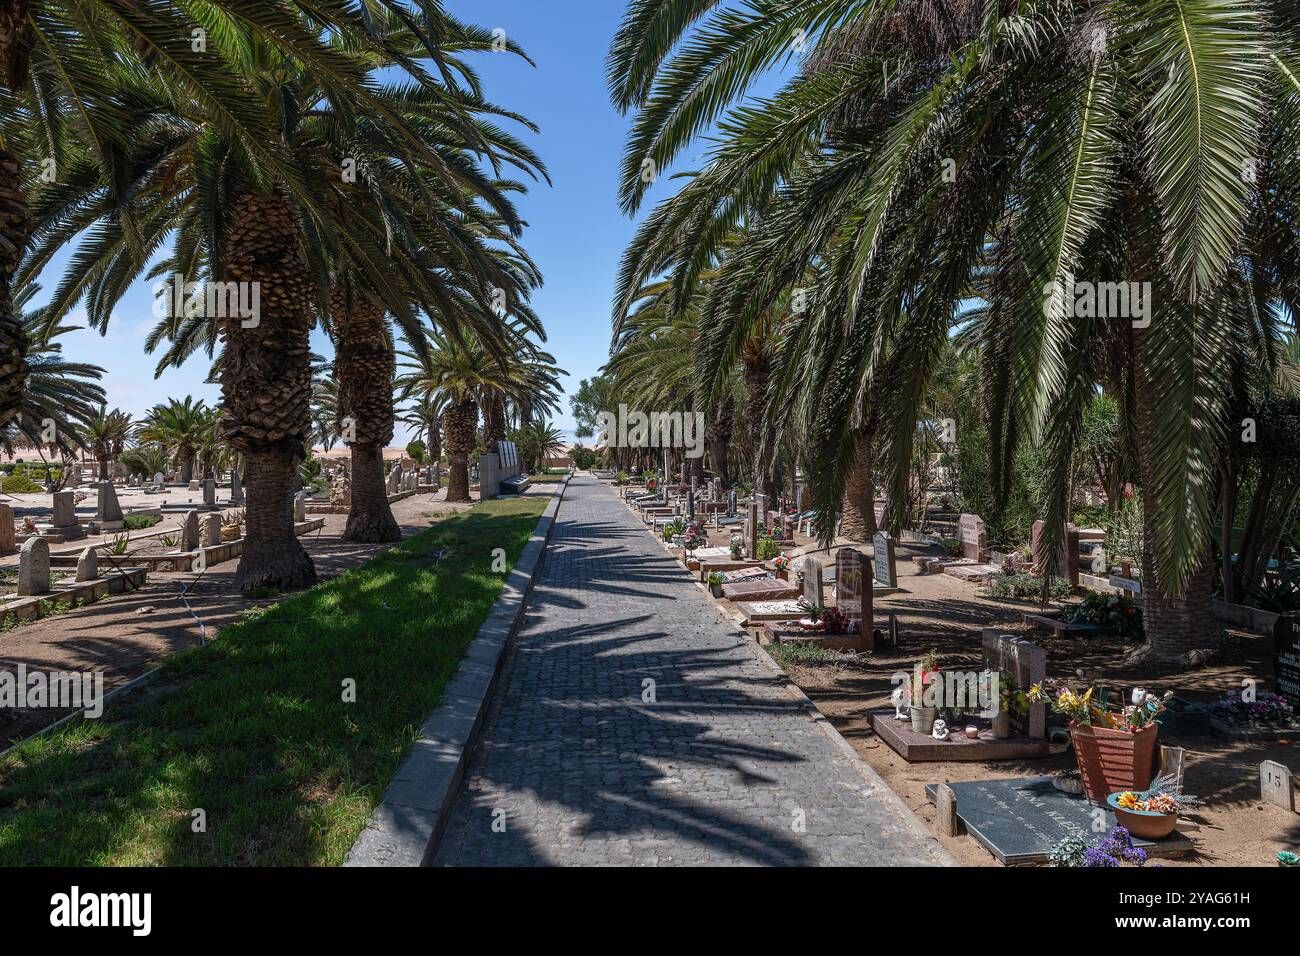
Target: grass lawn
x=253, y=729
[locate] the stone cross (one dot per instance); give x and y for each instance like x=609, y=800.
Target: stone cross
x=211, y=534
x=973, y=534
x=884, y=560
x=812, y=581
x=236, y=488
x=190, y=531
x=34, y=567
x=8, y=538
x=88, y=564
x=209, y=492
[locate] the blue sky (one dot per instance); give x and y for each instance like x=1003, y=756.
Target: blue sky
x=576, y=230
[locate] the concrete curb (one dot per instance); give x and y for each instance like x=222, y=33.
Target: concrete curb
x=407, y=825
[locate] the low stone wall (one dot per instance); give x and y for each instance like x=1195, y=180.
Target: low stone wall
x=85, y=592
x=185, y=560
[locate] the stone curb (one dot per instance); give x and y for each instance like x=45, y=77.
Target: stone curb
x=406, y=826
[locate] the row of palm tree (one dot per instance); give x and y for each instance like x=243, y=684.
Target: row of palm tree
x=338, y=159
x=944, y=166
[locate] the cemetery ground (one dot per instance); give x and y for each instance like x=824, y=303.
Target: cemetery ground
x=942, y=613
x=252, y=732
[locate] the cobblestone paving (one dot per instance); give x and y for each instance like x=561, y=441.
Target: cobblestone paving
x=579, y=764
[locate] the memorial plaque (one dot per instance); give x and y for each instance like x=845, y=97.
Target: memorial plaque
x=884, y=560
x=973, y=535
x=1286, y=655
x=1021, y=820
x=812, y=581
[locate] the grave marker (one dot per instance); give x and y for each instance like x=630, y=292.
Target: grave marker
x=973, y=535
x=853, y=591
x=34, y=567
x=107, y=509
x=65, y=516
x=1026, y=662
x=8, y=537
x=87, y=565
x=751, y=531
x=190, y=531
x=1286, y=655
x=812, y=581
x=731, y=504
x=885, y=560
x=211, y=530
x=209, y=492
x=1067, y=559
x=300, y=507
x=690, y=505
x=1277, y=784
x=236, y=488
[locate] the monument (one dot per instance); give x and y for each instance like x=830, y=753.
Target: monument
x=884, y=560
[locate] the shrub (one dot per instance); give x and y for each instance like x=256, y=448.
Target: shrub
x=17, y=484
x=139, y=522
x=1020, y=584
x=767, y=548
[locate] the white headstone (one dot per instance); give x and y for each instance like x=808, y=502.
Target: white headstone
x=190, y=531
x=211, y=533
x=34, y=567
x=812, y=581
x=300, y=507
x=88, y=565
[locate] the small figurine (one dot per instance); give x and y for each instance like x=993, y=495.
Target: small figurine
x=940, y=731
x=899, y=697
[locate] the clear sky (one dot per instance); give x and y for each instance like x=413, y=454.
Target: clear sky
x=576, y=230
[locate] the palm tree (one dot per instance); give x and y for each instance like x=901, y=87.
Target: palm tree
x=179, y=426
x=425, y=418
x=108, y=433
x=324, y=405
x=538, y=441
x=146, y=458
x=269, y=218
x=70, y=68
x=941, y=150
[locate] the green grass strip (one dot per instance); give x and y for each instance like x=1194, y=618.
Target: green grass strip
x=253, y=730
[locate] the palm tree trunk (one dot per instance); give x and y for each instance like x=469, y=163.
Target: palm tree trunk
x=494, y=422
x=758, y=369
x=364, y=364
x=266, y=386
x=1175, y=623
x=187, y=465
x=15, y=227
x=459, y=422
x=859, y=495
x=719, y=439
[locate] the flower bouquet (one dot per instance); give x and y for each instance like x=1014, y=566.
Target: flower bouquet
x=1151, y=813
x=1115, y=613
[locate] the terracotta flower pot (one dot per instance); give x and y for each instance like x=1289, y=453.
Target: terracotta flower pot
x=1114, y=760
x=1142, y=823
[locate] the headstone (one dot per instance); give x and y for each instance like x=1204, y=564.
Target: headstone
x=236, y=488
x=1067, y=560
x=973, y=534
x=945, y=805
x=884, y=560
x=108, y=510
x=1286, y=655
x=853, y=590
x=88, y=565
x=65, y=516
x=159, y=480
x=190, y=531
x=690, y=505
x=300, y=507
x=211, y=535
x=34, y=567
x=194, y=484
x=1277, y=784
x=1026, y=662
x=812, y=581
x=394, y=478
x=209, y=492
x=731, y=504
x=8, y=537
x=751, y=531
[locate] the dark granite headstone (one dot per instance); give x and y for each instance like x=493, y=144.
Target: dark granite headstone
x=1286, y=655
x=1026, y=662
x=853, y=589
x=731, y=504
x=690, y=504
x=1021, y=820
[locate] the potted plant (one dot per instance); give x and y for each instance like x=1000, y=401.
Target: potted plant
x=1115, y=750
x=1151, y=813
x=1287, y=858
x=737, y=549
x=782, y=565
x=923, y=717
x=715, y=583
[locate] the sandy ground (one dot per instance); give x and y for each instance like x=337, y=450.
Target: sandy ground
x=127, y=635
x=938, y=611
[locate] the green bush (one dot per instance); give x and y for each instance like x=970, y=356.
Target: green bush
x=1024, y=585
x=139, y=522
x=767, y=548
x=20, y=485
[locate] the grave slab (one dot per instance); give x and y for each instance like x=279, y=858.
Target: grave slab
x=1021, y=819
x=771, y=590
x=760, y=612
x=922, y=748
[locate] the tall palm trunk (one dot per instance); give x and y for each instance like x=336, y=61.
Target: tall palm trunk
x=15, y=227
x=459, y=422
x=718, y=438
x=758, y=369
x=494, y=421
x=859, y=495
x=266, y=387
x=364, y=364
x=1175, y=623
x=187, y=464
x=435, y=441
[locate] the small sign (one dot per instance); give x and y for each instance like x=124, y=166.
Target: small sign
x=1277, y=784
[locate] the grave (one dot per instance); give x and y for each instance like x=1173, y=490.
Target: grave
x=760, y=612
x=107, y=510
x=159, y=481
x=1067, y=558
x=751, y=530
x=731, y=504
x=34, y=567
x=759, y=589
x=209, y=492
x=1277, y=784
x=852, y=597
x=812, y=581
x=1022, y=819
x=190, y=531
x=211, y=530
x=88, y=565
x=884, y=560
x=300, y=507
x=973, y=535
x=194, y=484
x=8, y=537
x=66, y=527
x=1286, y=655
x=236, y=488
